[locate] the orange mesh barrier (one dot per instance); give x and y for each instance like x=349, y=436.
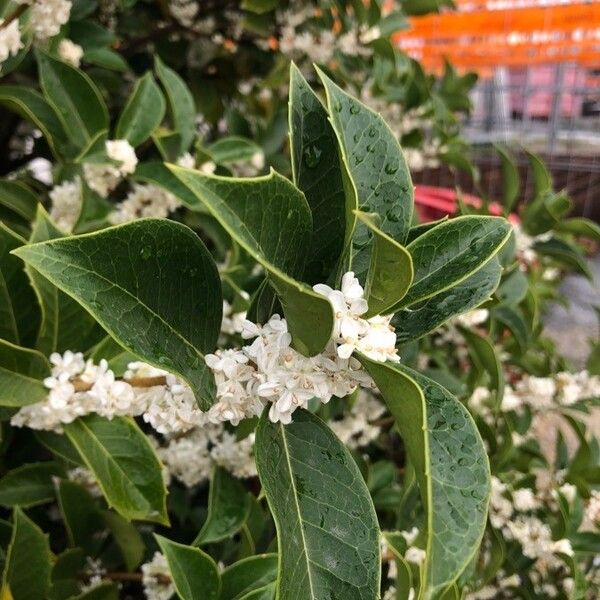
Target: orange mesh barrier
x=481, y=38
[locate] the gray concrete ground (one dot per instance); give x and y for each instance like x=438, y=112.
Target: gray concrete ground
x=573, y=326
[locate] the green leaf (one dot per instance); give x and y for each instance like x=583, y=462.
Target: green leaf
x=269, y=218
x=194, y=572
x=19, y=198
x=127, y=538
x=449, y=253
x=259, y=6
x=545, y=212
x=232, y=148
x=27, y=566
x=319, y=174
x=513, y=319
x=418, y=230
x=513, y=289
x=60, y=446
x=104, y=591
x=32, y=106
x=411, y=324
x=228, y=507
x=19, y=316
x=143, y=113
x=248, y=575
x=115, y=355
x=124, y=463
x=160, y=275
x=107, y=58
x=81, y=516
x=375, y=165
x=65, y=325
x=327, y=530
x=267, y=592
x=75, y=97
x=451, y=465
x=156, y=173
x=486, y=359
x=29, y=484
x=565, y=253
x=580, y=226
x=390, y=272
x=21, y=372
x=511, y=182
x=182, y=107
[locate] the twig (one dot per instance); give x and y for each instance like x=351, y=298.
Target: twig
x=142, y=382
x=16, y=14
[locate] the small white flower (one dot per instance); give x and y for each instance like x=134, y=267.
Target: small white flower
x=70, y=52
x=10, y=40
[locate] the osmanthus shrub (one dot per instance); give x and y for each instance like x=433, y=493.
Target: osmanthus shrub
x=116, y=351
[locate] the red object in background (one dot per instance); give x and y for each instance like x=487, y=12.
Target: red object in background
x=433, y=203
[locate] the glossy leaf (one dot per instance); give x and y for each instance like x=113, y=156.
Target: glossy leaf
x=65, y=324
x=248, y=575
x=29, y=484
x=411, y=324
x=156, y=173
x=581, y=226
x=127, y=538
x=390, y=272
x=21, y=374
x=182, y=108
x=233, y=148
x=228, y=507
x=143, y=112
x=124, y=463
x=327, y=530
x=375, y=165
x=269, y=218
x=565, y=253
x=32, y=106
x=194, y=572
x=511, y=182
x=75, y=97
x=114, y=273
x=81, y=516
x=317, y=171
x=449, y=253
x=19, y=312
x=451, y=466
x=27, y=565
x=19, y=198
x=486, y=359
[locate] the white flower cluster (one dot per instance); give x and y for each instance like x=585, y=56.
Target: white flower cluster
x=592, y=511
x=233, y=323
x=10, y=40
x=540, y=393
x=184, y=11
x=356, y=429
x=511, y=511
x=524, y=244
x=190, y=458
x=270, y=370
x=267, y=371
x=66, y=204
x=46, y=17
x=70, y=52
x=297, y=39
x=144, y=201
x=103, y=178
x=156, y=579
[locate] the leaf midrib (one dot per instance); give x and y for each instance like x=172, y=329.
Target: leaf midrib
x=297, y=505
x=119, y=287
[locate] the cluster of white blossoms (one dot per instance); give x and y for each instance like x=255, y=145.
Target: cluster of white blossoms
x=156, y=579
x=511, y=510
x=267, y=371
x=46, y=17
x=70, y=52
x=356, y=429
x=184, y=11
x=10, y=40
x=525, y=244
x=592, y=511
x=270, y=371
x=539, y=394
x=144, y=200
x=189, y=458
x=412, y=554
x=103, y=178
x=66, y=204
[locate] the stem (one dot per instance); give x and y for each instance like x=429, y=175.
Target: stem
x=124, y=576
x=142, y=382
x=16, y=14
